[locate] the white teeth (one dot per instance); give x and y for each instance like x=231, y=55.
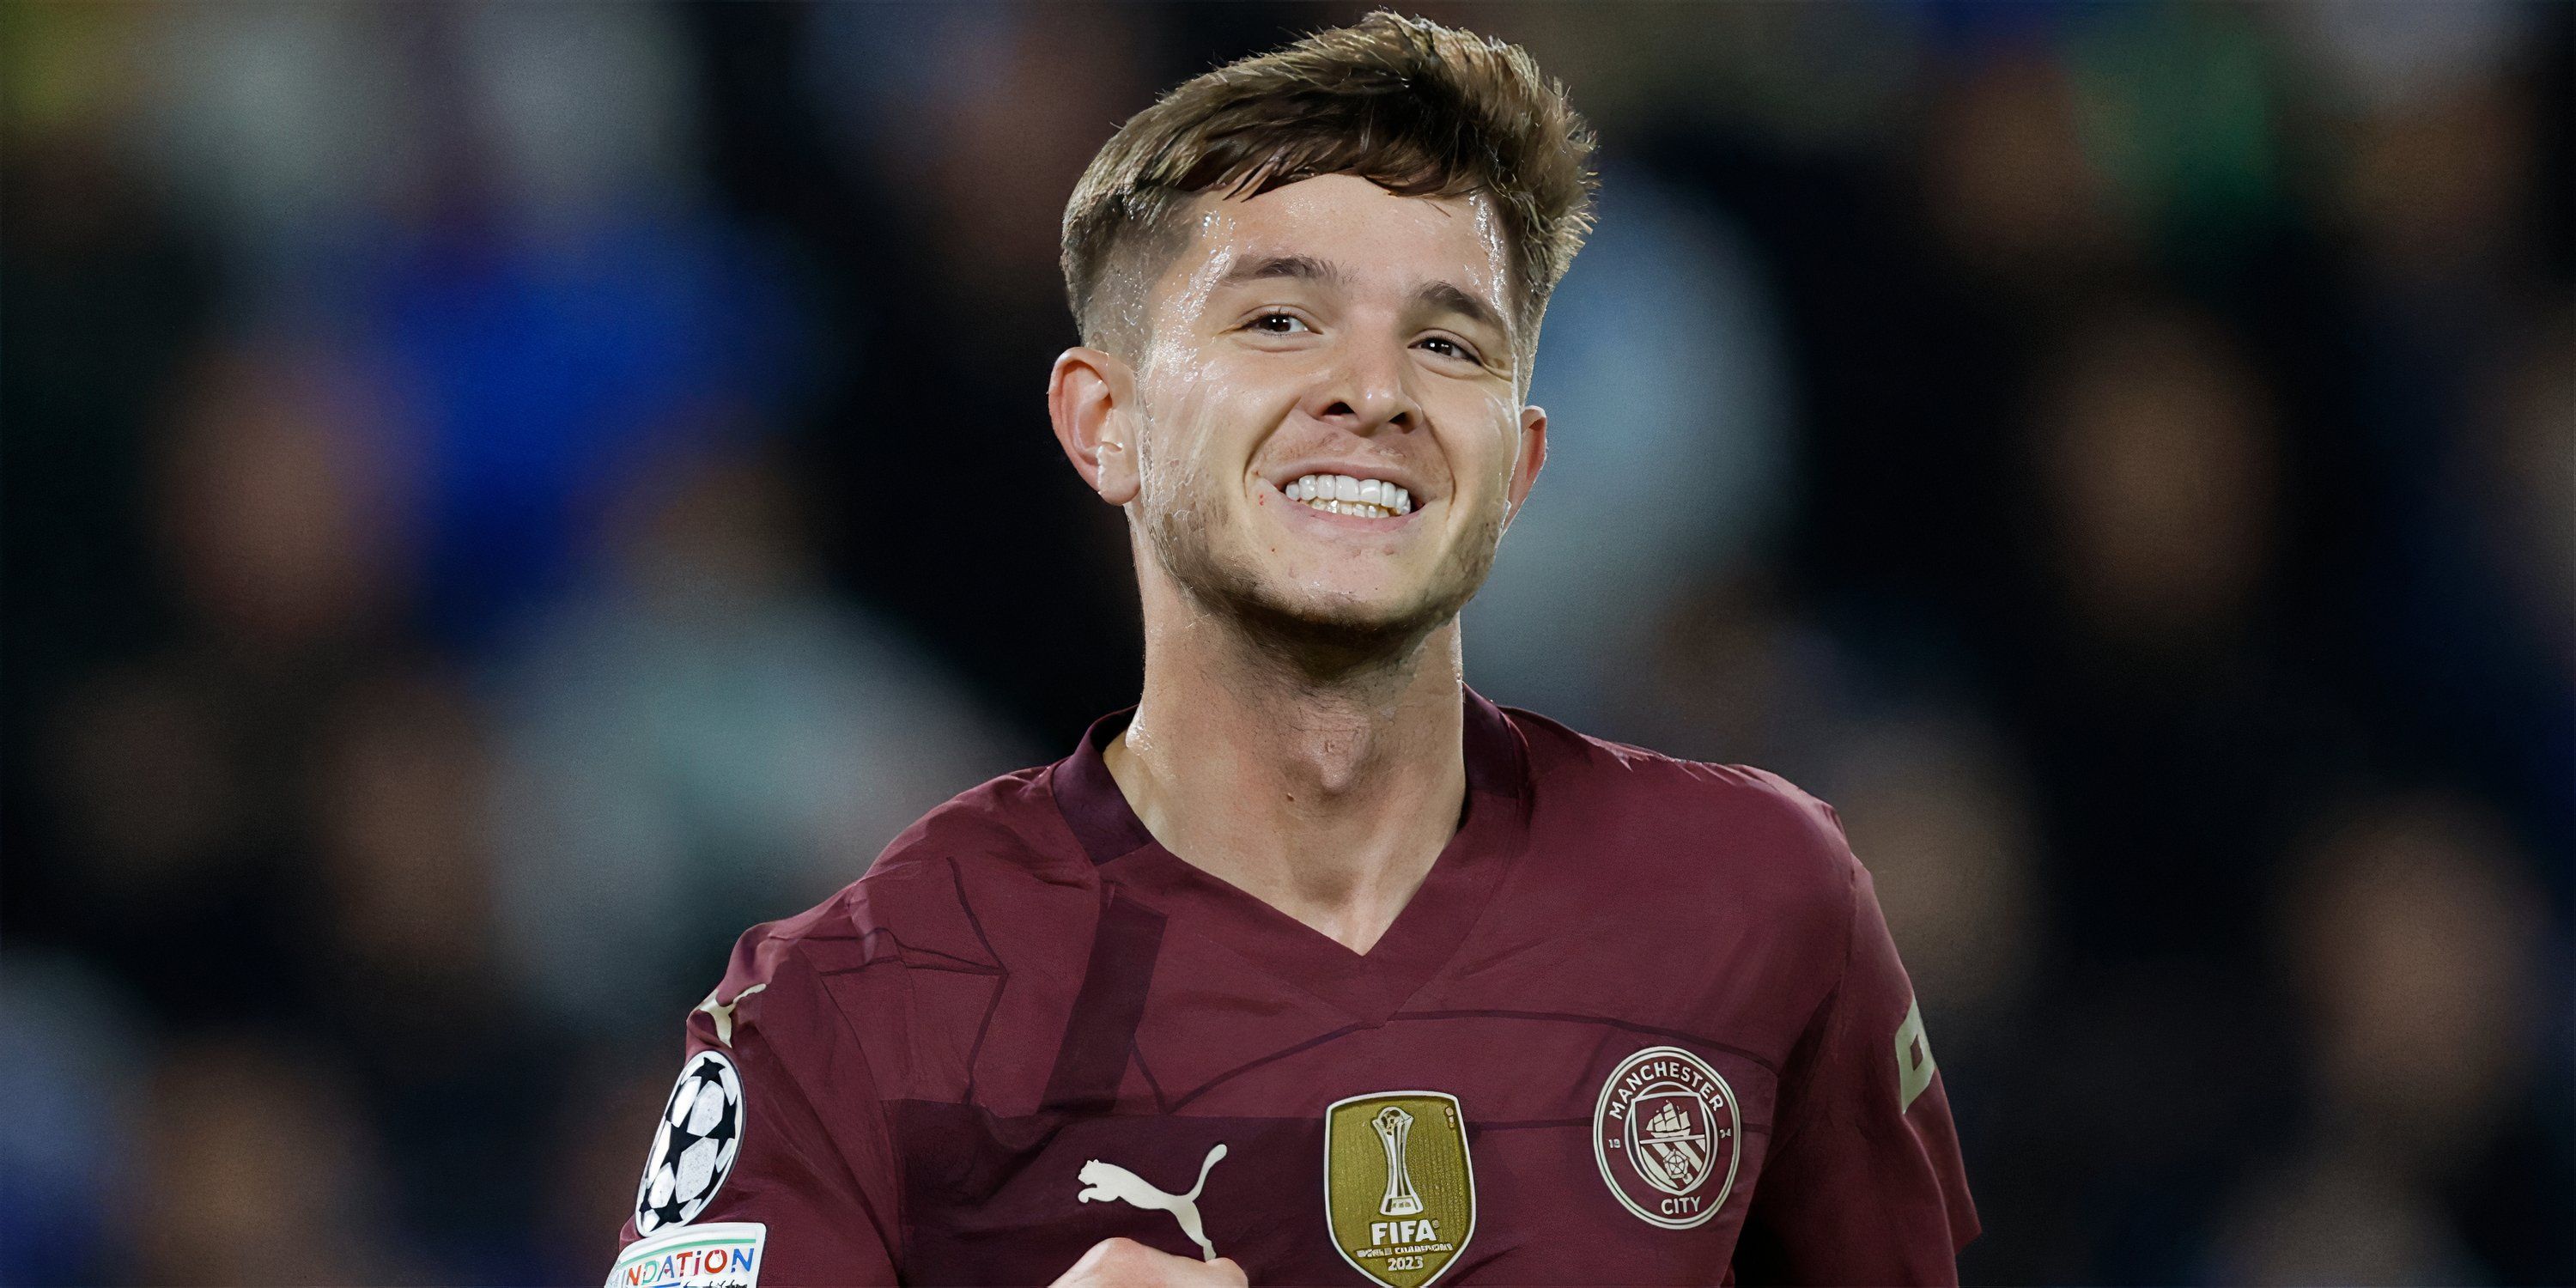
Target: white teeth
x=1344, y=494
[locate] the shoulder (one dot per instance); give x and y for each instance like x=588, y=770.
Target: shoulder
x=988, y=880
x=1688, y=822
x=908, y=959
x=1008, y=824
x=933, y=894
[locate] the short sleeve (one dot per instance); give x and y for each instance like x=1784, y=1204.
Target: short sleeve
x=1863, y=1183
x=770, y=1058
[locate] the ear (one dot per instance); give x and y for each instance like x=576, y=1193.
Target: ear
x=1087, y=398
x=1533, y=456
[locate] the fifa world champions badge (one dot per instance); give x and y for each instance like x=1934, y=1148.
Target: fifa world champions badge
x=1399, y=1187
x=1666, y=1135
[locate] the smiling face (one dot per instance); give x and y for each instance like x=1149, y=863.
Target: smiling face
x=1310, y=352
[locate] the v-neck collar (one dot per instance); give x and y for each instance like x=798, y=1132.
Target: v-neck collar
x=1424, y=936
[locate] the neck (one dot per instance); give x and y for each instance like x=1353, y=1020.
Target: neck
x=1327, y=797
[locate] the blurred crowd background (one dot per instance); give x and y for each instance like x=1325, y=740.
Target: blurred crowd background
x=500, y=497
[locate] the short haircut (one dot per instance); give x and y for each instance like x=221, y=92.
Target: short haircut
x=1419, y=109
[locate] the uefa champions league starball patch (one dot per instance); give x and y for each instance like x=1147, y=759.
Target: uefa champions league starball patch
x=694, y=1148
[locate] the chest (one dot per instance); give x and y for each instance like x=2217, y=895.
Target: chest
x=1501, y=1133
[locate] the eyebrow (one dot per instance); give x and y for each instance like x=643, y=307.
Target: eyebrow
x=1301, y=267
x=1448, y=297
x=1441, y=296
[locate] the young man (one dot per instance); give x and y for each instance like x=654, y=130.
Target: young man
x=1317, y=967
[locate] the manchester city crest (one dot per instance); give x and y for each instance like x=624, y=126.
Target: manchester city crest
x=1399, y=1188
x=1666, y=1136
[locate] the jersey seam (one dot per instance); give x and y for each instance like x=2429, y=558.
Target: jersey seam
x=900, y=1226
x=1828, y=1041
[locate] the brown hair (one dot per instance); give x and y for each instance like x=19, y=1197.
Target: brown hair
x=1419, y=109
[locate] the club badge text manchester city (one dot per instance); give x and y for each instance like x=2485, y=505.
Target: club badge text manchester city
x=1399, y=1187
x=1665, y=1134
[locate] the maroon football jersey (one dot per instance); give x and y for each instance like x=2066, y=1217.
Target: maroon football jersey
x=1641, y=1024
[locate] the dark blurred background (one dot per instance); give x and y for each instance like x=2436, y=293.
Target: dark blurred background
x=501, y=497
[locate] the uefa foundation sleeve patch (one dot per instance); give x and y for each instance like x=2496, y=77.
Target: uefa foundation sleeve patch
x=719, y=1254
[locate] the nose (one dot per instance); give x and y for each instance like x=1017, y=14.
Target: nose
x=1365, y=389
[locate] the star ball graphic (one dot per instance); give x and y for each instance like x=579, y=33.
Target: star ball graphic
x=694, y=1148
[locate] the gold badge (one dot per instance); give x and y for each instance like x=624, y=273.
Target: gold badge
x=1399, y=1188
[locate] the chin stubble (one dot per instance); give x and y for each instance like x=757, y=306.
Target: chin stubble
x=1319, y=642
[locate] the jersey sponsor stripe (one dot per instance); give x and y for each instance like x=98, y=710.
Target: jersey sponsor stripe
x=1091, y=1060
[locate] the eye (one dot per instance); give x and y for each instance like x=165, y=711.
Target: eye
x=1279, y=324
x=1449, y=348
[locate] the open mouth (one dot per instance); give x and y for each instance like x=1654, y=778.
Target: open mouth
x=1364, y=498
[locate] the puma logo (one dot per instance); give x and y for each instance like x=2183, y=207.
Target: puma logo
x=1108, y=1182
